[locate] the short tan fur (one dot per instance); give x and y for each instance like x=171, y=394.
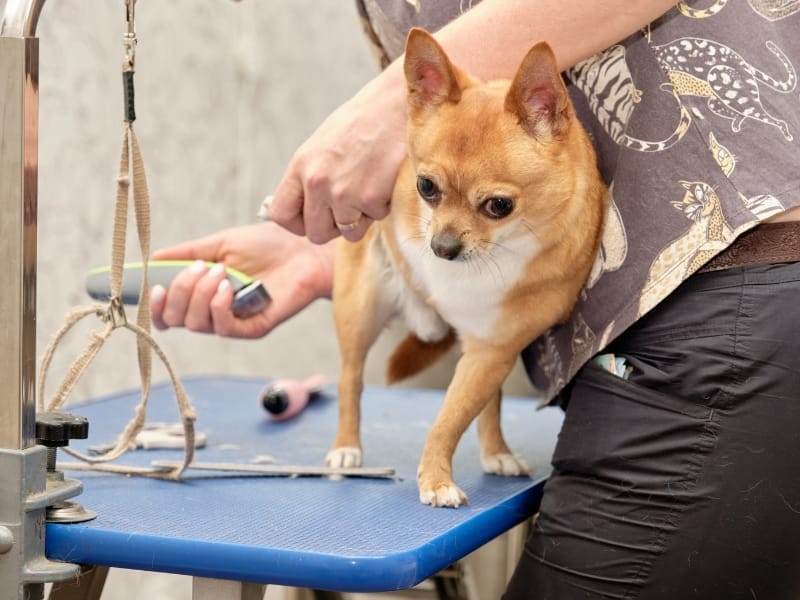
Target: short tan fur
x=496, y=219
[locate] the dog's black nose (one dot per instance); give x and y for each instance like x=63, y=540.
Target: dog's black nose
x=446, y=245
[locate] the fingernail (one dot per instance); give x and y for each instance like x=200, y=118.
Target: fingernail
x=198, y=266
x=157, y=294
x=217, y=270
x=263, y=211
x=223, y=286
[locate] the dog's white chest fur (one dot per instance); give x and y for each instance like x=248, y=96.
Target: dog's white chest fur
x=468, y=293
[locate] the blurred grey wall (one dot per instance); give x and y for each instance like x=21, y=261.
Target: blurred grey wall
x=225, y=92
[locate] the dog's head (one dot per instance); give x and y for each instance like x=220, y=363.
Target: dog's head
x=495, y=162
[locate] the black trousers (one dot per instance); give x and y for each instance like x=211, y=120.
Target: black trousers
x=683, y=481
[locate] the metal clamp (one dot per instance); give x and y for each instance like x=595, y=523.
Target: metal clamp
x=54, y=430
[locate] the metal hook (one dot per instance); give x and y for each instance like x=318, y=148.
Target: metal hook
x=130, y=5
x=129, y=38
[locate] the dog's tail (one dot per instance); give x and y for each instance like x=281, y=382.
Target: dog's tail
x=413, y=355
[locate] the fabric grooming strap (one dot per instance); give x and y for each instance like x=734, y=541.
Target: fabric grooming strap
x=131, y=181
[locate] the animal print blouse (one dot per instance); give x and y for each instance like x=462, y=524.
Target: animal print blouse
x=696, y=120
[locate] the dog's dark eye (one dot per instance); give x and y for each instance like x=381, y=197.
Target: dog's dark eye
x=428, y=190
x=498, y=207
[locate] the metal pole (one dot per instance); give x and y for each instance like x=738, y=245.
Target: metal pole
x=19, y=132
x=24, y=490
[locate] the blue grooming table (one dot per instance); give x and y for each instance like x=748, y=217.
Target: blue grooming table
x=349, y=535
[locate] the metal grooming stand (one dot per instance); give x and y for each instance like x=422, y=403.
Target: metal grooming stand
x=26, y=490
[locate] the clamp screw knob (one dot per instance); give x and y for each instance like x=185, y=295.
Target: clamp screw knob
x=55, y=429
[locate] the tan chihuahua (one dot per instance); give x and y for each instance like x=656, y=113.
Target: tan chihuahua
x=495, y=222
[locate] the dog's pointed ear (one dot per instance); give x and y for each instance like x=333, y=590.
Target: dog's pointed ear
x=432, y=78
x=538, y=96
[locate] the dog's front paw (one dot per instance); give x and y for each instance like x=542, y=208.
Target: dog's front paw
x=505, y=464
x=345, y=457
x=442, y=493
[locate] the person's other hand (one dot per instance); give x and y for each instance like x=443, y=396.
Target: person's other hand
x=295, y=272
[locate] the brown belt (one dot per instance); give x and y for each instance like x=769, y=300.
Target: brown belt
x=765, y=244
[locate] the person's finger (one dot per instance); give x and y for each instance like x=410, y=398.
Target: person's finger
x=158, y=298
x=354, y=230
x=205, y=248
x=287, y=205
x=319, y=224
x=374, y=207
x=228, y=325
x=346, y=214
x=198, y=316
x=223, y=320
x=353, y=213
x=348, y=203
x=180, y=292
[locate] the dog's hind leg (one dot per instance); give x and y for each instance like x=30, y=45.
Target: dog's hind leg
x=496, y=458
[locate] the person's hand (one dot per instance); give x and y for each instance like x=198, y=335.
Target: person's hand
x=341, y=178
x=294, y=271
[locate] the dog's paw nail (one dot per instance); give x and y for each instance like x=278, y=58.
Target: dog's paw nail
x=505, y=464
x=443, y=494
x=346, y=457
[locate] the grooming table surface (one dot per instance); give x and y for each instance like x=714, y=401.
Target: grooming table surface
x=352, y=534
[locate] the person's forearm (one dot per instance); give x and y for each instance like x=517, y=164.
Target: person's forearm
x=491, y=39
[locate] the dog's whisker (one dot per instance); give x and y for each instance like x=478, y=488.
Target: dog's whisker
x=502, y=247
x=473, y=263
x=488, y=257
x=414, y=237
x=416, y=216
x=493, y=266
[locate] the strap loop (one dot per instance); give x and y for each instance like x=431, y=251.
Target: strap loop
x=113, y=314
